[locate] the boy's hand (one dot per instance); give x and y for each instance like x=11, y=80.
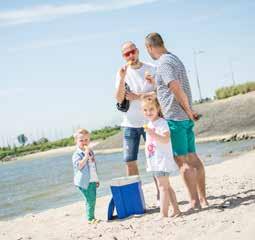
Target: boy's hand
x=97, y=184
x=87, y=150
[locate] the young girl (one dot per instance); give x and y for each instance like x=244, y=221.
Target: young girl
x=85, y=173
x=159, y=154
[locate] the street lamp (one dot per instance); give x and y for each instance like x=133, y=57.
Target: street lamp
x=232, y=72
x=195, y=53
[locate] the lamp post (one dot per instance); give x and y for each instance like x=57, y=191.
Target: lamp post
x=195, y=53
x=232, y=72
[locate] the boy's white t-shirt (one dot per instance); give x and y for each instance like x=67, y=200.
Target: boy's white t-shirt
x=92, y=172
x=137, y=84
x=92, y=168
x=159, y=155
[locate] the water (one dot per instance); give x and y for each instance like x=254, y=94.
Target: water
x=28, y=186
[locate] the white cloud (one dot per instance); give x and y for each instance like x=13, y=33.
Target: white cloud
x=48, y=12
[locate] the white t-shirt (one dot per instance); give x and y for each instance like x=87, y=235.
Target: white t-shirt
x=159, y=155
x=92, y=168
x=92, y=172
x=137, y=83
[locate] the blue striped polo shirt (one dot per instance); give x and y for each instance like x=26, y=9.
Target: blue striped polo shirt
x=171, y=68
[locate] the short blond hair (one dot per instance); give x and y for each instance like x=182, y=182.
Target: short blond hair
x=80, y=131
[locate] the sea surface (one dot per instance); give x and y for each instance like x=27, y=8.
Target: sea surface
x=30, y=186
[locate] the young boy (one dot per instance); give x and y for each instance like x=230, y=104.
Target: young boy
x=85, y=172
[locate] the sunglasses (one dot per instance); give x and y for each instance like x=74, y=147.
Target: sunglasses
x=127, y=54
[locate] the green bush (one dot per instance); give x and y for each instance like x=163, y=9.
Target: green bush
x=226, y=92
x=43, y=144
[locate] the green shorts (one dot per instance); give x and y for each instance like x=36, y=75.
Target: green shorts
x=182, y=137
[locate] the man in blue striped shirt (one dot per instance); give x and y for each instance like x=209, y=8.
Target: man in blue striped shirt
x=174, y=95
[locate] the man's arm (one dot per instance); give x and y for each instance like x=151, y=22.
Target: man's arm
x=120, y=92
x=181, y=97
x=169, y=76
x=137, y=96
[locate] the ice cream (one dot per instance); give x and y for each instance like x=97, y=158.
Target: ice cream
x=146, y=73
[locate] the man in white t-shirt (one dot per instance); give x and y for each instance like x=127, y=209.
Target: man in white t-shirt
x=133, y=74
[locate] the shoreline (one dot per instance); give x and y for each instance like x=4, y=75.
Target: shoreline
x=231, y=195
x=70, y=149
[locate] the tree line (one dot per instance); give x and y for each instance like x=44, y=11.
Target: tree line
x=43, y=144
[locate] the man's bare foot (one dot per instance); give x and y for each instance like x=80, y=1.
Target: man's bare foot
x=195, y=205
x=204, y=203
x=191, y=209
x=176, y=214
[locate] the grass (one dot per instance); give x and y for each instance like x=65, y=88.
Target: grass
x=226, y=92
x=40, y=146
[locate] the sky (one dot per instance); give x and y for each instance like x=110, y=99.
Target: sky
x=58, y=59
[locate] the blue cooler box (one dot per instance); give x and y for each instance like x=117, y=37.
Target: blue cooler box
x=127, y=197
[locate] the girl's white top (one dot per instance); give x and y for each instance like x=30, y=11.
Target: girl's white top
x=159, y=155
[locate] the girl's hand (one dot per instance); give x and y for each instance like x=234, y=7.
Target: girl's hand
x=150, y=131
x=97, y=184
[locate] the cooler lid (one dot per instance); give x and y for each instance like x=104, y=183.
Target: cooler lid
x=125, y=180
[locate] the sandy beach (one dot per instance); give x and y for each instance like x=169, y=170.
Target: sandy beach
x=231, y=214
x=53, y=152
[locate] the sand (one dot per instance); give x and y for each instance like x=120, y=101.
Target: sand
x=231, y=214
x=53, y=152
